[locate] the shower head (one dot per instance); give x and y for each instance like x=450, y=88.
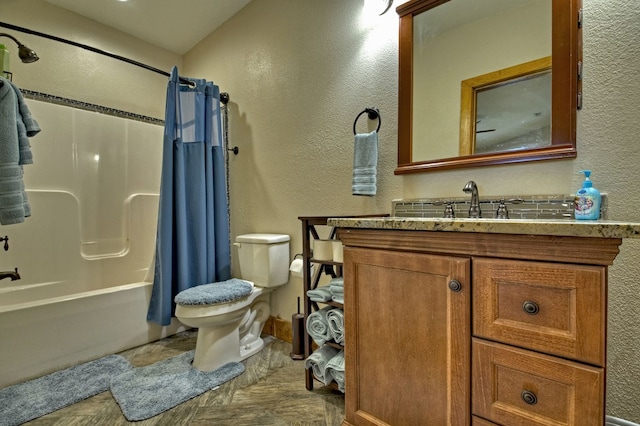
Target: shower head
x=26, y=55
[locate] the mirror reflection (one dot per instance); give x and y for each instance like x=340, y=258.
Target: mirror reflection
x=514, y=116
x=507, y=110
x=458, y=40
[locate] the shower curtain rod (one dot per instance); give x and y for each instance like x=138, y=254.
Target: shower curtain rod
x=224, y=96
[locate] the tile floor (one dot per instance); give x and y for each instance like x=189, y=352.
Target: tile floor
x=270, y=392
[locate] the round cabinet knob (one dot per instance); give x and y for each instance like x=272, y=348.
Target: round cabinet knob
x=530, y=307
x=454, y=285
x=529, y=397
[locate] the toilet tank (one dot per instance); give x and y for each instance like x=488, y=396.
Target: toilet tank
x=264, y=258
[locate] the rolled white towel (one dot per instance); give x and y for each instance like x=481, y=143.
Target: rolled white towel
x=318, y=326
x=320, y=294
x=335, y=317
x=318, y=360
x=335, y=370
x=338, y=298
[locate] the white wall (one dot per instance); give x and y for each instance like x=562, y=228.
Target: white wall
x=299, y=72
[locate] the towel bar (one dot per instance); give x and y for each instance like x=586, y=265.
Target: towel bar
x=372, y=113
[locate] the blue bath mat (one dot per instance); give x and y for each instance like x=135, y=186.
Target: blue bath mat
x=148, y=391
x=35, y=398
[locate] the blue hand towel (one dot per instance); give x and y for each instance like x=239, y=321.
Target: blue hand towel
x=335, y=317
x=27, y=126
x=318, y=360
x=365, y=164
x=320, y=294
x=338, y=281
x=334, y=369
x=9, y=151
x=318, y=326
x=16, y=126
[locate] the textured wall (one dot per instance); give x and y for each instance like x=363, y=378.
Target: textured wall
x=609, y=129
x=299, y=71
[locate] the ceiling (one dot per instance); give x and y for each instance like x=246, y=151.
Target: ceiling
x=171, y=24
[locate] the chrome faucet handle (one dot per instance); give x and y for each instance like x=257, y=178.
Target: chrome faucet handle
x=502, y=212
x=449, y=213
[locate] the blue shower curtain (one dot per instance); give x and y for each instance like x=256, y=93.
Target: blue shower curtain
x=192, y=244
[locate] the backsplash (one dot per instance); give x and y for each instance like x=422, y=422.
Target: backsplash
x=519, y=207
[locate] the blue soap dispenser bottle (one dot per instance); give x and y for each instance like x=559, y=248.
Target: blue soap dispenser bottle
x=587, y=200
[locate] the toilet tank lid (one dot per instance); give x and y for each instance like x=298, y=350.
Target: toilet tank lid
x=262, y=238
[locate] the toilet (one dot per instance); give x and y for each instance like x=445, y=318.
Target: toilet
x=229, y=315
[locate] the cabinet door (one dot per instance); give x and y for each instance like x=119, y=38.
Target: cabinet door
x=407, y=341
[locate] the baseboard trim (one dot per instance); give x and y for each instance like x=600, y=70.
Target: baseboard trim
x=279, y=328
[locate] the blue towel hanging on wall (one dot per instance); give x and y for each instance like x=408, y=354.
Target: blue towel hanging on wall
x=192, y=244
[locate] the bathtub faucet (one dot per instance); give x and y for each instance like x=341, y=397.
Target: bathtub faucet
x=10, y=274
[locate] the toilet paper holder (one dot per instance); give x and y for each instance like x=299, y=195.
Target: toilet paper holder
x=297, y=265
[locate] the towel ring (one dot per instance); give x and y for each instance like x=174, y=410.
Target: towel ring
x=372, y=113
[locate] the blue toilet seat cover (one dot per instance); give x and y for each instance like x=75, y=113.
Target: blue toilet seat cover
x=219, y=292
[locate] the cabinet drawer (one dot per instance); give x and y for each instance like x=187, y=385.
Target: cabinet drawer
x=477, y=421
x=516, y=386
x=559, y=308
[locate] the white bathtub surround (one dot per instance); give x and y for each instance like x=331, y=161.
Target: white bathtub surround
x=84, y=253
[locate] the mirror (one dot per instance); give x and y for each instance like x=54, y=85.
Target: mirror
x=443, y=97
x=507, y=110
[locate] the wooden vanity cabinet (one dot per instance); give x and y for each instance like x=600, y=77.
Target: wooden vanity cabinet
x=457, y=328
x=408, y=338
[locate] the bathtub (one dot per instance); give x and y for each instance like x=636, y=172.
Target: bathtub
x=85, y=252
x=67, y=327
x=97, y=303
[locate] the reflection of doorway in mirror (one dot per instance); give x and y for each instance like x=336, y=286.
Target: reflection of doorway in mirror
x=507, y=110
x=447, y=49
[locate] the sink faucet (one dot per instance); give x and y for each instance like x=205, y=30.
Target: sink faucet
x=474, y=208
x=10, y=274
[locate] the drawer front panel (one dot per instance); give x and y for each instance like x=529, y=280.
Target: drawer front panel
x=559, y=309
x=516, y=386
x=477, y=421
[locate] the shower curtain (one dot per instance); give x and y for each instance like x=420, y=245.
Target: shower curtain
x=192, y=243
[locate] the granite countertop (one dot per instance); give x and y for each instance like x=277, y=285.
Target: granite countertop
x=571, y=228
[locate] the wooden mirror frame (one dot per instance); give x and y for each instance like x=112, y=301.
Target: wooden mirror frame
x=566, y=54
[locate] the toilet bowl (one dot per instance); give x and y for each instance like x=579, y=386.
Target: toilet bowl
x=230, y=315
